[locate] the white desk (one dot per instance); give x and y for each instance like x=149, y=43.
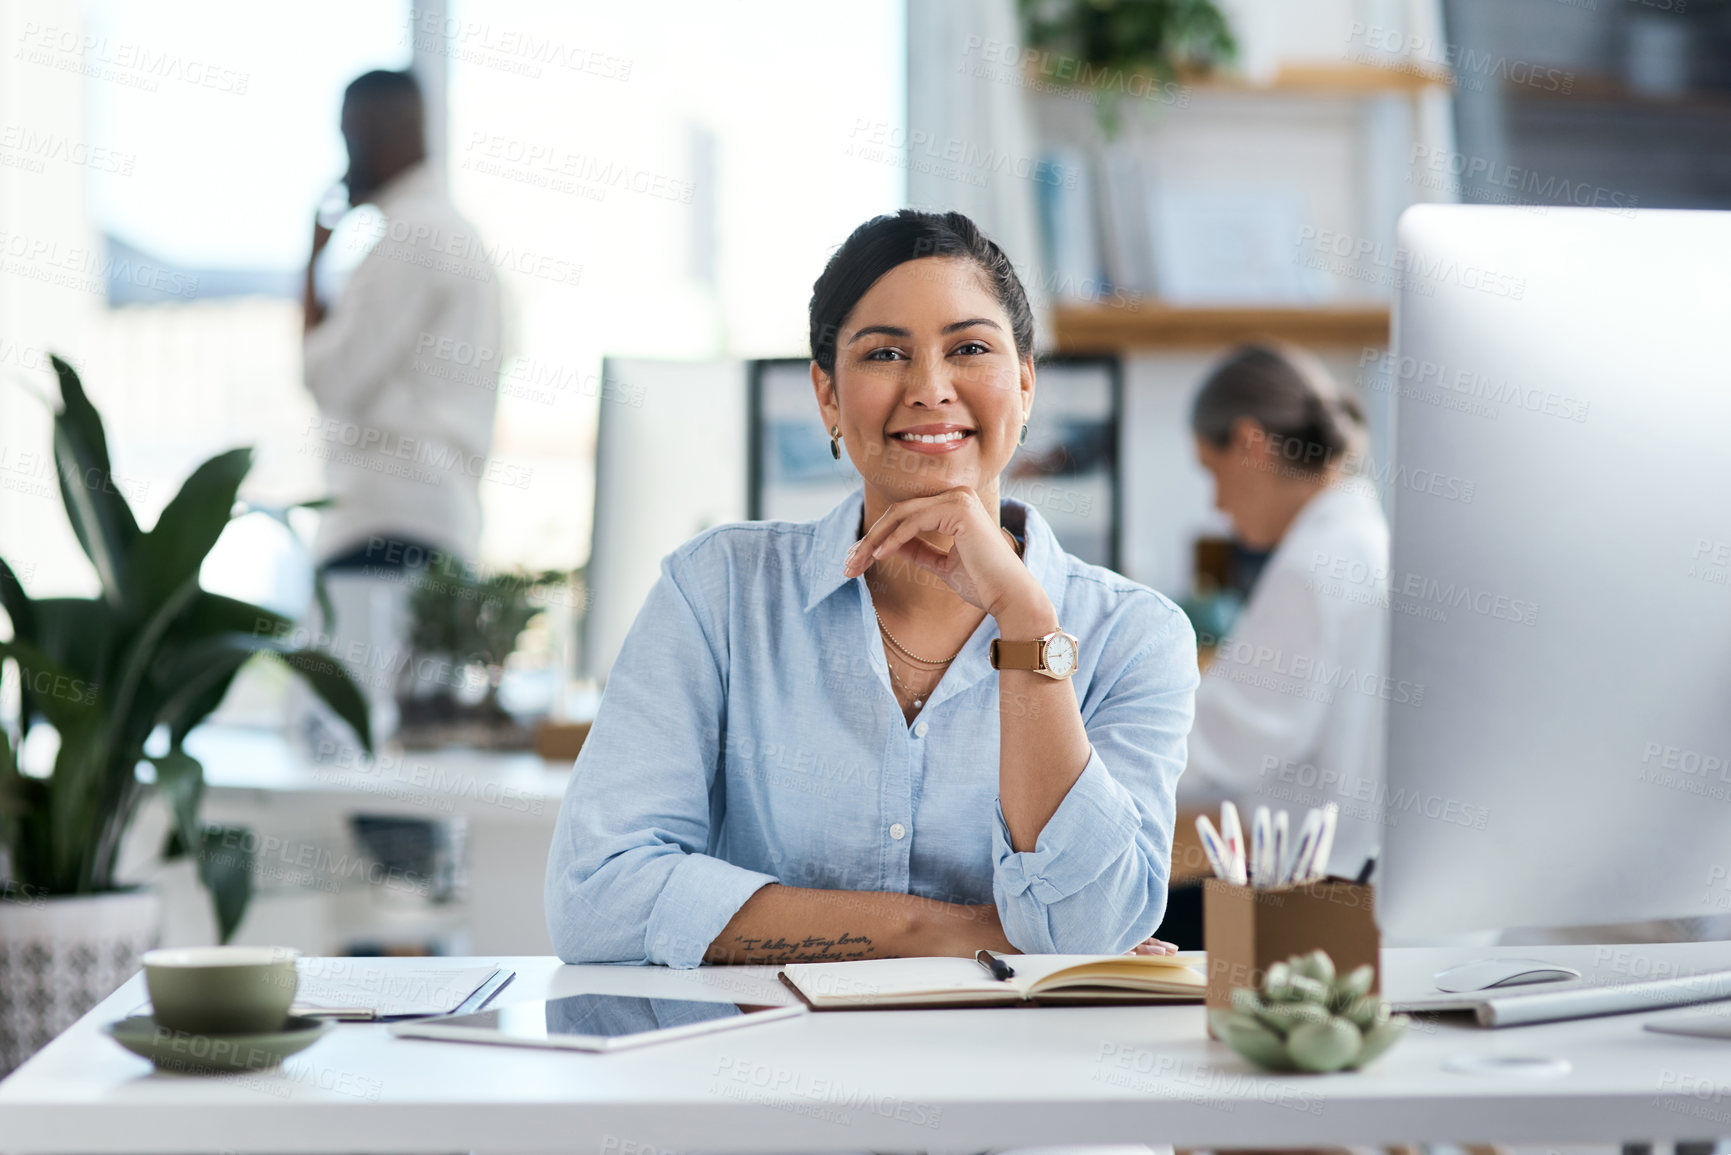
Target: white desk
x=259, y=780
x=509, y=787
x=961, y=1080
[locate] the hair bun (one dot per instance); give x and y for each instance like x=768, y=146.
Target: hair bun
x=1290, y=394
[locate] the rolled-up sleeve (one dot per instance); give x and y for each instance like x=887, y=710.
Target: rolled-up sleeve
x=1096, y=879
x=628, y=879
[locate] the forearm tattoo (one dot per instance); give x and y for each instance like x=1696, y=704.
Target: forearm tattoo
x=812, y=948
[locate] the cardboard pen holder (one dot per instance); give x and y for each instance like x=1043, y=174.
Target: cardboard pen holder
x=1245, y=930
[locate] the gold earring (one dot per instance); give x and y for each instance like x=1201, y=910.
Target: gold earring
x=835, y=442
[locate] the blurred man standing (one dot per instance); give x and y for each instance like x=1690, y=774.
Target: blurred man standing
x=404, y=364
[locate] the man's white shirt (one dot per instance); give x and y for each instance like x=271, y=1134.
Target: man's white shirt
x=404, y=368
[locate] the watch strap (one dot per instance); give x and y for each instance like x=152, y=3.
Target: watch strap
x=1018, y=655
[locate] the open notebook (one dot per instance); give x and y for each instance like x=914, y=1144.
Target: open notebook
x=962, y=982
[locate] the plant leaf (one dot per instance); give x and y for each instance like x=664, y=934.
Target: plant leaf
x=327, y=678
x=79, y=415
x=16, y=603
x=76, y=634
x=75, y=817
x=174, y=549
x=126, y=723
x=205, y=647
x=24, y=824
x=192, y=671
x=211, y=615
x=92, y=519
x=22, y=614
x=13, y=802
x=225, y=865
x=71, y=822
x=196, y=709
x=322, y=597
x=180, y=778
x=70, y=703
x=280, y=513
x=100, y=517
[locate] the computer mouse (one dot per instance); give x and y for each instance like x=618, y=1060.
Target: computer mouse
x=1500, y=972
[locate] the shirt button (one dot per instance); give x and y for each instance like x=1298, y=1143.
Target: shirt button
x=920, y=729
x=898, y=831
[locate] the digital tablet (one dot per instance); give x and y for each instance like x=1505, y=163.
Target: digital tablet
x=593, y=1022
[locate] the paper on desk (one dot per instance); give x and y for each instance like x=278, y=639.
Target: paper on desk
x=368, y=988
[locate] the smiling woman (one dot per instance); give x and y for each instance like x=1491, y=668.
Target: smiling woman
x=915, y=726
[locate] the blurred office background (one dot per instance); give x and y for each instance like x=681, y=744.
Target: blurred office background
x=658, y=185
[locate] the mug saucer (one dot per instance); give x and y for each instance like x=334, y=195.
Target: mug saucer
x=185, y=1053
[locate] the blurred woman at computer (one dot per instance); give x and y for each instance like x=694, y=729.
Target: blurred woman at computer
x=914, y=726
x=1290, y=711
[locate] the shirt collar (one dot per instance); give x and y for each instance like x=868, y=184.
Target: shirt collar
x=416, y=180
x=837, y=530
x=1344, y=498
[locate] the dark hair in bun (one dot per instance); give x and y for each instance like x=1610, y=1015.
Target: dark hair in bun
x=1291, y=395
x=886, y=241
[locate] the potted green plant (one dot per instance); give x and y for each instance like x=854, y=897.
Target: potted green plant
x=464, y=626
x=1120, y=46
x=121, y=678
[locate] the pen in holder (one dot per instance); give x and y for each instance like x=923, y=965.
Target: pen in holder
x=1245, y=929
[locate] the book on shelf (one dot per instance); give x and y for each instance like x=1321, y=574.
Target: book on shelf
x=1069, y=225
x=1126, y=185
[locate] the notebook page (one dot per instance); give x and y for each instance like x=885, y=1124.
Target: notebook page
x=1030, y=969
x=890, y=978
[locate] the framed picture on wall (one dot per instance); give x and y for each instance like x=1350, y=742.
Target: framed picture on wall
x=790, y=473
x=1068, y=470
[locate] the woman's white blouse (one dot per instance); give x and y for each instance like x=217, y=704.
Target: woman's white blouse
x=1291, y=712
x=748, y=734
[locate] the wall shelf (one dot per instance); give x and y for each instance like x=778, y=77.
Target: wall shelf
x=1153, y=325
x=1590, y=94
x=1342, y=80
x=1325, y=78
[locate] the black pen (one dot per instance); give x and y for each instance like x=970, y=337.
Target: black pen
x=999, y=968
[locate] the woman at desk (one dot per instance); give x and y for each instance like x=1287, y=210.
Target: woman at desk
x=915, y=726
x=1290, y=712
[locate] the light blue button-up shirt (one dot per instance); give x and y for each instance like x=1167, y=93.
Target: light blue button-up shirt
x=749, y=735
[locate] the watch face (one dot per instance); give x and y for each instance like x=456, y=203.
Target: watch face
x=1061, y=655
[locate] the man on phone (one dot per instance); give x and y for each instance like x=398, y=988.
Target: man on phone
x=404, y=363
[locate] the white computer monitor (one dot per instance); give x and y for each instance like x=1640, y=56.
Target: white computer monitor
x=1561, y=570
x=670, y=462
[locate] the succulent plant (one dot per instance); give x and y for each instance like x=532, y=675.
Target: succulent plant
x=1307, y=1018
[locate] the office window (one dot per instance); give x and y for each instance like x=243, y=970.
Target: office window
x=1617, y=106
x=642, y=193
x=653, y=193
x=158, y=170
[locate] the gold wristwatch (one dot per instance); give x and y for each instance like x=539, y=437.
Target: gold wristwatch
x=1053, y=655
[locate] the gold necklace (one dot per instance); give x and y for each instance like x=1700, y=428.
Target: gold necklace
x=903, y=650
x=919, y=698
